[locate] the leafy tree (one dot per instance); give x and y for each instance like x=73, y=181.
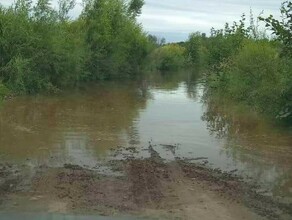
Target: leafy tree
x=283, y=28
x=43, y=49
x=135, y=7
x=64, y=7
x=245, y=66
x=116, y=42
x=169, y=57
x=193, y=47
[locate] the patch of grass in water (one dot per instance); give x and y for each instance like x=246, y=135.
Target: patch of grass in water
x=4, y=91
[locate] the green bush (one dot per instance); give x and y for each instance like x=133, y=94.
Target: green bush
x=43, y=50
x=4, y=91
x=282, y=28
x=258, y=77
x=251, y=69
x=168, y=58
x=194, y=48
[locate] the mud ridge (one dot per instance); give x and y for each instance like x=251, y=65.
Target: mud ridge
x=171, y=190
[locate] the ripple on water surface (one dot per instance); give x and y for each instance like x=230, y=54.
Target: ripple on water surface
x=81, y=126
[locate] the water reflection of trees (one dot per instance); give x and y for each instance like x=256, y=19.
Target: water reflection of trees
x=171, y=81
x=253, y=142
x=218, y=122
x=95, y=118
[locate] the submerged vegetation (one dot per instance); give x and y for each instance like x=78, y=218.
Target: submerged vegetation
x=3, y=91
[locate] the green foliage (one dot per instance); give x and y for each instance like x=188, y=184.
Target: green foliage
x=219, y=47
x=258, y=77
x=245, y=66
x=283, y=28
x=194, y=48
x=64, y=7
x=42, y=49
x=117, y=44
x=155, y=40
x=4, y=91
x=135, y=7
x=169, y=57
x=226, y=42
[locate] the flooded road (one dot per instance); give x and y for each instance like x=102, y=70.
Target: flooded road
x=82, y=126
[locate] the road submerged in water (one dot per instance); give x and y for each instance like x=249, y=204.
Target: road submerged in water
x=137, y=150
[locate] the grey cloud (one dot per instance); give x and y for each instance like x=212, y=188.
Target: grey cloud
x=176, y=19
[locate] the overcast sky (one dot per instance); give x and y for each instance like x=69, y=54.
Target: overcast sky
x=175, y=19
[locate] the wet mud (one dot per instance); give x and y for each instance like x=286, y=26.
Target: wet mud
x=151, y=186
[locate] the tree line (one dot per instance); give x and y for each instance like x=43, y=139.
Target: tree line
x=42, y=49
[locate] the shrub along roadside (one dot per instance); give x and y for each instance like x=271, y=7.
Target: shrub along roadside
x=3, y=92
x=170, y=57
x=258, y=77
x=249, y=68
x=42, y=49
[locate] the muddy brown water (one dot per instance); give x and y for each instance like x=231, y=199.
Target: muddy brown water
x=81, y=127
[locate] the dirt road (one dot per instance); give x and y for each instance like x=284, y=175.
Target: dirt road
x=150, y=187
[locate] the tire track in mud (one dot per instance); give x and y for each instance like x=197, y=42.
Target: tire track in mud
x=170, y=189
x=226, y=184
x=145, y=179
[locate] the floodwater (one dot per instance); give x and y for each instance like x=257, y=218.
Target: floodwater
x=81, y=126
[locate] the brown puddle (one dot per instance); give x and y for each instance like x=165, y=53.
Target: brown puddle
x=81, y=127
x=77, y=126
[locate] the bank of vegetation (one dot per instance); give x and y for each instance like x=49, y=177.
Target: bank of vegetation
x=243, y=64
x=43, y=49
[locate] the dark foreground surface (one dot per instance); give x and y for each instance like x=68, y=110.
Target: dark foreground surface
x=144, y=188
x=46, y=216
